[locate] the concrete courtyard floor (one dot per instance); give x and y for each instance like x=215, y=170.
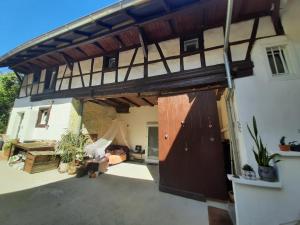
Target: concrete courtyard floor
x=126, y=195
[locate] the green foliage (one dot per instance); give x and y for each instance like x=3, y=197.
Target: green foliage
x=71, y=147
x=9, y=88
x=262, y=156
x=247, y=167
x=7, y=146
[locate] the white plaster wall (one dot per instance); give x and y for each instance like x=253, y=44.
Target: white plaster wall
x=261, y=206
x=136, y=121
x=191, y=62
x=170, y=47
x=155, y=69
x=136, y=72
x=274, y=101
x=58, y=120
x=109, y=77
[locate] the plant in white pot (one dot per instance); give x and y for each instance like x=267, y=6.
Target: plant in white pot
x=248, y=172
x=70, y=149
x=262, y=156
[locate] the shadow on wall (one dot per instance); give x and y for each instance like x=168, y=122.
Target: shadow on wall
x=191, y=154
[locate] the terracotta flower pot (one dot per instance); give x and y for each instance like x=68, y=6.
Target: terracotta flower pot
x=284, y=148
x=267, y=173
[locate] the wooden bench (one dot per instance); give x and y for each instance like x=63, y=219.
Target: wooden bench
x=39, y=161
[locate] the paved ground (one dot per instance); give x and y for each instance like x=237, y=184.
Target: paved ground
x=110, y=199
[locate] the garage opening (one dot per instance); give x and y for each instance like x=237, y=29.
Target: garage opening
x=182, y=138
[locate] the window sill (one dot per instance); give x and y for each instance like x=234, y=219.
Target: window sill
x=255, y=183
x=289, y=154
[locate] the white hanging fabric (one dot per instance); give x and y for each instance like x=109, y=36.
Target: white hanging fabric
x=116, y=131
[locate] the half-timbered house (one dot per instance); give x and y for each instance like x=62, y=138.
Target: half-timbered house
x=185, y=75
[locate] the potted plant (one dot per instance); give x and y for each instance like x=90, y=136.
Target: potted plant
x=294, y=146
x=262, y=156
x=283, y=146
x=70, y=149
x=248, y=172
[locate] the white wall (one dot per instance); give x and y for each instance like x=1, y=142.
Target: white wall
x=274, y=101
x=59, y=119
x=271, y=206
x=136, y=121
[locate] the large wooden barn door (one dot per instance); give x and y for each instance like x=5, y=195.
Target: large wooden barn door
x=191, y=161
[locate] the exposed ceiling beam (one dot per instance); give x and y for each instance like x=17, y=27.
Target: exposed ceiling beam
x=144, y=21
x=82, y=33
x=119, y=40
x=63, y=40
x=42, y=61
x=81, y=51
x=131, y=15
x=143, y=41
x=53, y=58
x=130, y=101
x=98, y=45
x=47, y=46
x=104, y=25
x=35, y=50
x=116, y=102
x=147, y=101
x=171, y=23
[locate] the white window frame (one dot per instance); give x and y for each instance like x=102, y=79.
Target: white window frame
x=189, y=42
x=282, y=49
x=290, y=55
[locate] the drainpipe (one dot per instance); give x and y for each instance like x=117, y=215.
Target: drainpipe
x=234, y=154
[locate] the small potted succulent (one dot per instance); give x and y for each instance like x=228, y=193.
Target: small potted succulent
x=248, y=172
x=283, y=146
x=262, y=156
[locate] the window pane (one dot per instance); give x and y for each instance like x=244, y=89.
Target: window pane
x=272, y=65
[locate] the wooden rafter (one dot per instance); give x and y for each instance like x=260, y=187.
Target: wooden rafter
x=63, y=40
x=81, y=51
x=82, y=33
x=119, y=41
x=165, y=5
x=104, y=25
x=147, y=101
x=53, y=58
x=99, y=46
x=130, y=101
x=116, y=31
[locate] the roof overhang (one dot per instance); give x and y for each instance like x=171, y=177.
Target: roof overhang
x=128, y=24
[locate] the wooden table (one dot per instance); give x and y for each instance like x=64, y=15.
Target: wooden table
x=32, y=146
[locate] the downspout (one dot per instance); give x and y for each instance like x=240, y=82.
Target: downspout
x=234, y=154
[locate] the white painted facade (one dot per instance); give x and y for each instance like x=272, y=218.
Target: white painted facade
x=275, y=103
x=59, y=119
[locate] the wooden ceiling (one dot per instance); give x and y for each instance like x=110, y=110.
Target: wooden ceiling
x=153, y=21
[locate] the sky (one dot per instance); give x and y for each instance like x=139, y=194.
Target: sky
x=22, y=20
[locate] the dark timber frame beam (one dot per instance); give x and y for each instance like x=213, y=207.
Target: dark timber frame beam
x=98, y=45
x=68, y=60
x=104, y=25
x=147, y=101
x=18, y=76
x=130, y=101
x=209, y=76
x=63, y=40
x=143, y=41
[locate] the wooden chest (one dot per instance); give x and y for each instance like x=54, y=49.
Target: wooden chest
x=39, y=161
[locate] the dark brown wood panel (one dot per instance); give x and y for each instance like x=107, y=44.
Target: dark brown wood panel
x=190, y=150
